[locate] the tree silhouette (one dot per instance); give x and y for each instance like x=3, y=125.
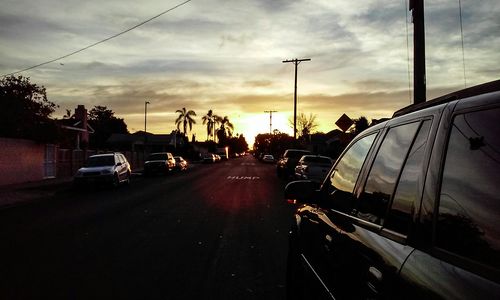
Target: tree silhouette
x=360, y=124
x=225, y=130
x=211, y=120
x=25, y=110
x=185, y=118
x=104, y=122
x=305, y=125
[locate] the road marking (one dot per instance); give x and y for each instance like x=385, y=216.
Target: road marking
x=243, y=177
x=248, y=164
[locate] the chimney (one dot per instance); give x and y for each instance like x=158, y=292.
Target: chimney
x=81, y=115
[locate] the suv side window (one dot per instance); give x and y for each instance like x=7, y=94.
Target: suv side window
x=469, y=205
x=385, y=173
x=346, y=172
x=399, y=216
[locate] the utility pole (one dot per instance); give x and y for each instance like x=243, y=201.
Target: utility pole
x=419, y=81
x=145, y=122
x=296, y=62
x=270, y=120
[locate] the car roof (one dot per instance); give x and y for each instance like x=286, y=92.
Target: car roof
x=484, y=88
x=105, y=154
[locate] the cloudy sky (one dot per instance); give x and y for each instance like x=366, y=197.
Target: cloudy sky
x=226, y=55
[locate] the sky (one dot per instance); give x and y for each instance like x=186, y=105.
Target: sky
x=226, y=55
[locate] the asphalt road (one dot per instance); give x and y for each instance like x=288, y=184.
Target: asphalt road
x=214, y=232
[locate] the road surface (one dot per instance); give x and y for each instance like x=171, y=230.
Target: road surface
x=217, y=231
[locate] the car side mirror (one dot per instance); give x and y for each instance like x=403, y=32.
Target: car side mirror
x=302, y=191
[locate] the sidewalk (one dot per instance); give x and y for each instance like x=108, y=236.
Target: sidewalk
x=18, y=194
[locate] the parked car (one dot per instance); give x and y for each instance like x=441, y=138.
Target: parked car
x=285, y=167
x=208, y=158
x=110, y=168
x=268, y=158
x=159, y=163
x=410, y=210
x=313, y=167
x=180, y=163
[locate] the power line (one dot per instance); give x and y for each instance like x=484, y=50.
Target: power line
x=101, y=41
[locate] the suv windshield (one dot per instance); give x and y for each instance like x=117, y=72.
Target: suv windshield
x=101, y=161
x=158, y=156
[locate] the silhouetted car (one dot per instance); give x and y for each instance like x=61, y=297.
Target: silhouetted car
x=410, y=210
x=285, y=167
x=110, y=168
x=180, y=163
x=209, y=158
x=159, y=163
x=268, y=158
x=313, y=167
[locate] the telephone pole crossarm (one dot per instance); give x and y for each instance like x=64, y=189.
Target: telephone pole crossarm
x=270, y=119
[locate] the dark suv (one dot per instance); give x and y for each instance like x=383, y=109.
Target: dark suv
x=410, y=210
x=285, y=167
x=161, y=162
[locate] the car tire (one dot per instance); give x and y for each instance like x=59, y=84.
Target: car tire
x=116, y=180
x=128, y=178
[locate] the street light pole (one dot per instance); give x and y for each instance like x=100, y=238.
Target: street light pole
x=296, y=62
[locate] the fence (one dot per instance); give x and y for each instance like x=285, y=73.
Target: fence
x=25, y=161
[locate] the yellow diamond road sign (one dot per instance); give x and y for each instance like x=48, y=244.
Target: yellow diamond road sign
x=344, y=122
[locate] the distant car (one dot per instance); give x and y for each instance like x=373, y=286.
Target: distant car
x=159, y=163
x=313, y=167
x=111, y=168
x=268, y=158
x=285, y=167
x=208, y=158
x=180, y=163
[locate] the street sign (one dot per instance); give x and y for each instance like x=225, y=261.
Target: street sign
x=344, y=122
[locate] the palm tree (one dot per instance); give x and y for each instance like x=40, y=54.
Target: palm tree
x=185, y=118
x=226, y=126
x=360, y=124
x=211, y=120
x=225, y=130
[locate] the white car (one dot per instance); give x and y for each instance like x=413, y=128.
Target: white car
x=268, y=158
x=313, y=167
x=111, y=168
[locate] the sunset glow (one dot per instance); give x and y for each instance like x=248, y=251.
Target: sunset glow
x=227, y=56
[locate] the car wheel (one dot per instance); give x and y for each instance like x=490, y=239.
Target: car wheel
x=116, y=180
x=128, y=178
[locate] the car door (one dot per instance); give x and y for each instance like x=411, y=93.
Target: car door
x=365, y=255
x=461, y=213
x=315, y=226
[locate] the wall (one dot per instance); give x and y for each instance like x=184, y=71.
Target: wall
x=21, y=161
x=24, y=161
